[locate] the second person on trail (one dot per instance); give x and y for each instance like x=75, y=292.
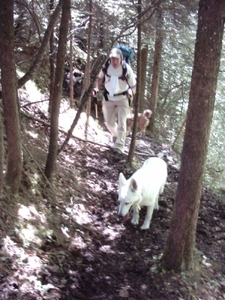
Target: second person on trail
x=120, y=86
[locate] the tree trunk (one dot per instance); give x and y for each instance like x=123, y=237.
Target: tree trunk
x=179, y=247
x=88, y=68
x=137, y=96
x=53, y=145
x=51, y=61
x=144, y=58
x=154, y=90
x=101, y=36
x=1, y=154
x=9, y=96
x=71, y=64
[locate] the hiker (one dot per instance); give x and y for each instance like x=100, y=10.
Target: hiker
x=120, y=86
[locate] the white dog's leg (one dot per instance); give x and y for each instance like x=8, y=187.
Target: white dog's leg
x=148, y=218
x=161, y=189
x=135, y=218
x=156, y=203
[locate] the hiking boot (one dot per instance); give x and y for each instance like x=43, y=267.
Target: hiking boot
x=117, y=150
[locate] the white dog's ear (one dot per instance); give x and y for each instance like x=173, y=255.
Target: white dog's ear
x=133, y=185
x=122, y=179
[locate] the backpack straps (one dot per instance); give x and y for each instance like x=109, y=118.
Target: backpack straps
x=122, y=77
x=124, y=70
x=124, y=74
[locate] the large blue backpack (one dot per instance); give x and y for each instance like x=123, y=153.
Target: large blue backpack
x=128, y=52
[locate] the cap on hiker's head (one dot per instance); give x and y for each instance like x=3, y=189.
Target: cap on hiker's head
x=117, y=53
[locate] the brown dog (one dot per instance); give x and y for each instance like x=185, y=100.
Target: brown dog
x=143, y=121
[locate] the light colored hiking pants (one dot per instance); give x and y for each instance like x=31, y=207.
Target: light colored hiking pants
x=115, y=115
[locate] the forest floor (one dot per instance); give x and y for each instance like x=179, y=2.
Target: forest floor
x=67, y=241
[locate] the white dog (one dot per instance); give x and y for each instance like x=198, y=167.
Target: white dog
x=142, y=189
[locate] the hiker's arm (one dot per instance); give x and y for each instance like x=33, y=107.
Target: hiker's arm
x=98, y=82
x=131, y=82
x=132, y=90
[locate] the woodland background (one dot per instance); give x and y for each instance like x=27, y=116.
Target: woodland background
x=168, y=38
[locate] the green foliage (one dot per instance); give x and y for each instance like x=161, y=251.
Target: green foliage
x=176, y=69
x=116, y=22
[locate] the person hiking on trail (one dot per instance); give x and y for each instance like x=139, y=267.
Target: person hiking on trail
x=120, y=86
